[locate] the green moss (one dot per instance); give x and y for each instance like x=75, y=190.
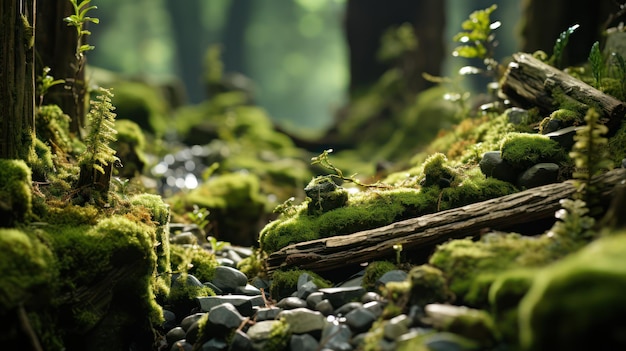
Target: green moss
x=463, y=261
x=428, y=285
x=142, y=104
x=324, y=195
x=565, y=118
x=436, y=172
x=617, y=145
x=15, y=192
x=523, y=150
x=579, y=302
x=194, y=260
x=160, y=214
x=374, y=271
x=40, y=160
x=27, y=269
x=279, y=337
x=505, y=293
x=130, y=147
x=65, y=213
x=286, y=282
x=184, y=293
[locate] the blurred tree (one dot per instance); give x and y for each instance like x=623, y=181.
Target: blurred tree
x=366, y=22
x=543, y=21
x=17, y=102
x=234, y=36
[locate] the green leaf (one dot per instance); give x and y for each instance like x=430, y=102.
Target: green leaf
x=597, y=63
x=560, y=44
x=470, y=51
x=85, y=47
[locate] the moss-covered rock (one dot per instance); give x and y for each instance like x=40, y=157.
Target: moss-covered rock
x=194, y=260
x=373, y=272
x=15, y=192
x=325, y=195
x=578, y=303
x=505, y=294
x=130, y=147
x=286, y=282
x=523, y=150
x=428, y=285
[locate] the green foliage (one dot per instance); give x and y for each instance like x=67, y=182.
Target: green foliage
x=523, y=150
x=101, y=119
x=53, y=127
x=574, y=227
x=15, y=192
x=286, y=282
x=478, y=39
x=559, y=46
x=374, y=271
x=193, y=260
x=590, y=154
x=396, y=41
x=45, y=82
x=324, y=161
x=78, y=20
x=598, y=64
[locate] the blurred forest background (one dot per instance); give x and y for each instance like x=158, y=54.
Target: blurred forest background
x=292, y=54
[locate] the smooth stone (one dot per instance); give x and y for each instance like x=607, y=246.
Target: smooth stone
x=492, y=165
x=337, y=337
x=184, y=238
x=347, y=308
x=215, y=344
x=551, y=126
x=303, y=279
x=395, y=275
x=225, y=315
x=624, y=163
x=192, y=333
x=314, y=298
x=360, y=320
x=340, y=296
x=260, y=332
x=169, y=320
x=228, y=278
x=303, y=320
x=267, y=313
x=189, y=320
x=516, y=115
x=397, y=326
x=467, y=322
x=564, y=136
x=190, y=280
x=215, y=289
x=248, y=290
x=304, y=342
x=244, y=304
x=233, y=256
x=539, y=174
x=240, y=342
x=260, y=283
x=226, y=262
x=289, y=303
x=243, y=252
x=375, y=307
x=371, y=296
x=174, y=334
x=325, y=307
x=181, y=345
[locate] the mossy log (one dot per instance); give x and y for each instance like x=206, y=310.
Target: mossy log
x=501, y=213
x=528, y=82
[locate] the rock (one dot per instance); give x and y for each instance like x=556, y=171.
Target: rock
x=215, y=344
x=215, y=289
x=516, y=115
x=550, y=126
x=248, y=290
x=340, y=296
x=267, y=313
x=345, y=309
x=360, y=320
x=181, y=345
x=325, y=195
x=303, y=320
x=492, y=165
x=226, y=316
x=189, y=320
x=226, y=262
x=306, y=289
x=337, y=337
x=397, y=326
x=244, y=304
x=260, y=283
x=395, y=275
x=228, y=278
x=304, y=342
x=266, y=332
x=470, y=323
x=375, y=307
x=185, y=238
x=174, y=334
x=240, y=342
x=169, y=320
x=565, y=136
x=539, y=174
x=624, y=163
x=314, y=298
x=370, y=296
x=289, y=303
x=325, y=307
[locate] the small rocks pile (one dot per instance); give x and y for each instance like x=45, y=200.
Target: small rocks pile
x=346, y=317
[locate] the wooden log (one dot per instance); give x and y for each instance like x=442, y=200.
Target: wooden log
x=531, y=205
x=529, y=82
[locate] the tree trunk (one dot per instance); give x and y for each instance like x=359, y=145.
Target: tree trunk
x=524, y=207
x=529, y=82
x=17, y=78
x=56, y=46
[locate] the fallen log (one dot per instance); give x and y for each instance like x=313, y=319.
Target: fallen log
x=528, y=82
x=500, y=213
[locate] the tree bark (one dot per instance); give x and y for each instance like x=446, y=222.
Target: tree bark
x=529, y=82
x=17, y=78
x=499, y=214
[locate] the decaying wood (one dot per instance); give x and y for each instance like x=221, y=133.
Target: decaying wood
x=504, y=212
x=529, y=82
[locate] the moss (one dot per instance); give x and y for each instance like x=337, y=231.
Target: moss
x=130, y=147
x=324, y=195
x=285, y=282
x=64, y=213
x=428, y=285
x=523, y=150
x=160, y=214
x=278, y=337
x=40, y=161
x=579, y=302
x=142, y=104
x=27, y=268
x=194, y=260
x=15, y=192
x=185, y=293
x=475, y=325
x=463, y=261
x=436, y=172
x=617, y=145
x=505, y=293
x=564, y=117
x=374, y=271
x=474, y=187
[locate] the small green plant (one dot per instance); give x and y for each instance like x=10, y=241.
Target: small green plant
x=598, y=65
x=287, y=208
x=199, y=216
x=398, y=249
x=324, y=161
x=216, y=245
x=45, y=82
x=478, y=40
x=559, y=46
x=78, y=20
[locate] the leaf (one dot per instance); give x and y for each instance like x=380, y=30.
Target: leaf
x=560, y=44
x=597, y=63
x=470, y=51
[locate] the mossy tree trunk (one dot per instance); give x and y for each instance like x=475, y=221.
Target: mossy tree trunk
x=56, y=46
x=17, y=78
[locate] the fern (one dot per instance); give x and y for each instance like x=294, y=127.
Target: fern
x=598, y=66
x=478, y=39
x=591, y=157
x=101, y=121
x=559, y=46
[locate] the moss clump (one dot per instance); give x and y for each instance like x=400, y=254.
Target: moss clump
x=324, y=195
x=40, y=161
x=617, y=145
x=278, y=337
x=183, y=293
x=578, y=303
x=160, y=214
x=428, y=285
x=143, y=104
x=129, y=146
x=464, y=261
x=15, y=192
x=194, y=260
x=64, y=213
x=523, y=150
x=285, y=282
x=374, y=271
x=562, y=117
x=436, y=172
x=27, y=269
x=505, y=293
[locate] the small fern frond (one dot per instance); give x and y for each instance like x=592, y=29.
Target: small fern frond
x=101, y=133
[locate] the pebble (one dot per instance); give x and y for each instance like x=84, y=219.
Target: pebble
x=228, y=278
